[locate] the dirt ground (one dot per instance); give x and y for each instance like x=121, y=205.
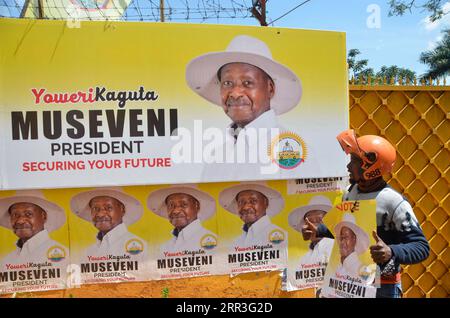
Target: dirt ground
x=261, y=284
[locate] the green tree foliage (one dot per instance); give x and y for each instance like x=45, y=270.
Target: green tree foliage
x=434, y=7
x=396, y=75
x=358, y=68
x=355, y=66
x=438, y=59
x=366, y=75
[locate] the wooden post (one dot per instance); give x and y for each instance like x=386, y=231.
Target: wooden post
x=260, y=16
x=40, y=9
x=161, y=10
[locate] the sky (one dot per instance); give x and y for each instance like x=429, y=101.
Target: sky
x=395, y=40
x=383, y=40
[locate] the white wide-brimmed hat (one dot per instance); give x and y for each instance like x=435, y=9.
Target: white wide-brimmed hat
x=362, y=239
x=156, y=201
x=201, y=72
x=55, y=214
x=80, y=204
x=297, y=216
x=227, y=198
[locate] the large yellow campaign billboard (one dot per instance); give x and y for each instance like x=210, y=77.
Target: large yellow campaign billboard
x=124, y=103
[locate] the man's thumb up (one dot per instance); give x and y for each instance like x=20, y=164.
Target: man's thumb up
x=376, y=237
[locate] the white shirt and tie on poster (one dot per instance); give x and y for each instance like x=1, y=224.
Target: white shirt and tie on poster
x=192, y=238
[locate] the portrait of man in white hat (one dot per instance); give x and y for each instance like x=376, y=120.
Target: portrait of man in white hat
x=254, y=203
x=185, y=207
x=309, y=271
x=352, y=241
x=252, y=88
x=31, y=217
x=111, y=211
x=246, y=82
x=319, y=248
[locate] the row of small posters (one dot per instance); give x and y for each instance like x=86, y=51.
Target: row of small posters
x=131, y=237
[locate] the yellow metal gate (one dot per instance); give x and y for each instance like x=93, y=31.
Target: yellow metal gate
x=416, y=120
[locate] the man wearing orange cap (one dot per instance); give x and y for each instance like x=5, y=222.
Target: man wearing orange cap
x=399, y=238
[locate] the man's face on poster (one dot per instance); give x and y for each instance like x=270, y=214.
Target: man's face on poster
x=182, y=209
x=245, y=91
x=252, y=206
x=106, y=213
x=27, y=219
x=347, y=242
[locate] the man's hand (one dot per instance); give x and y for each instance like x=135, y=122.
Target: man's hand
x=309, y=230
x=380, y=252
